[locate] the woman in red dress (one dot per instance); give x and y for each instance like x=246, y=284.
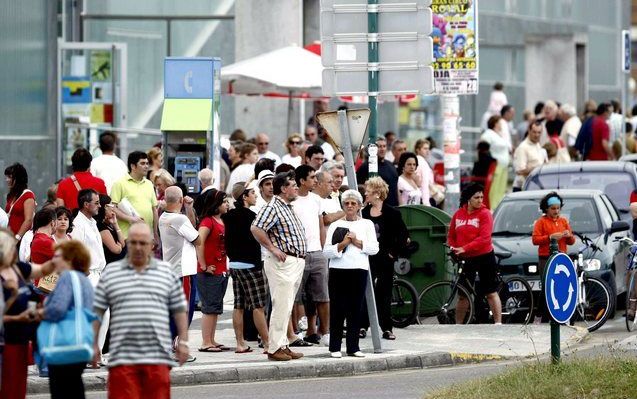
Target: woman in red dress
x=20, y=200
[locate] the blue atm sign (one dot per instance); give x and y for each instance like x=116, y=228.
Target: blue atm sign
x=186, y=78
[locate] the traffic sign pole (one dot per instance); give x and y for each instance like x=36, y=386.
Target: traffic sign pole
x=372, y=54
x=555, y=327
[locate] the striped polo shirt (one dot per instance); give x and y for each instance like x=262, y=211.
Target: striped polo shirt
x=283, y=227
x=141, y=304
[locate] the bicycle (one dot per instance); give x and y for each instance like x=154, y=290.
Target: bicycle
x=404, y=303
x=437, y=302
x=595, y=300
x=631, y=287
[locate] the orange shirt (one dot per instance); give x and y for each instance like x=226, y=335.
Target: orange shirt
x=544, y=227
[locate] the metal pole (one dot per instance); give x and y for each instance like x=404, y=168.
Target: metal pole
x=351, y=182
x=372, y=67
x=451, y=143
x=555, y=327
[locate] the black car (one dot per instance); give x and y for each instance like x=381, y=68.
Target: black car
x=616, y=179
x=589, y=212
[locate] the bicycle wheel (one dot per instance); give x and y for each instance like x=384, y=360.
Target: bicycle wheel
x=404, y=303
x=597, y=304
x=516, y=297
x=438, y=304
x=631, y=302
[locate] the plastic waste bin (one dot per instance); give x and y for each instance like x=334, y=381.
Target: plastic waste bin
x=428, y=227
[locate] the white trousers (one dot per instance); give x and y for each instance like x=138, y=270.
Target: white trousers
x=94, y=278
x=284, y=279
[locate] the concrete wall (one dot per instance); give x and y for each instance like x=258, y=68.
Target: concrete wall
x=263, y=26
x=551, y=69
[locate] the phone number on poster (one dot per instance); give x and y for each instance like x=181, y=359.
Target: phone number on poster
x=455, y=65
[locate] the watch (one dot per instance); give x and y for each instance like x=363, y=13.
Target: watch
x=18, y=237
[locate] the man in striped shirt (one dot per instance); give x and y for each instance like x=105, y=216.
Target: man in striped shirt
x=280, y=232
x=142, y=293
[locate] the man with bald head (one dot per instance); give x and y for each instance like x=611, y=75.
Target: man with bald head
x=263, y=146
x=179, y=238
x=143, y=294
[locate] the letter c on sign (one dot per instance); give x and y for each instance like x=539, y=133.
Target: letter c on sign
x=188, y=82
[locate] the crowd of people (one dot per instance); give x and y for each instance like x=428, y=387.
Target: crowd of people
x=292, y=238
x=551, y=133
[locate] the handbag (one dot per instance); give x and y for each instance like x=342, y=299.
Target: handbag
x=69, y=340
x=339, y=235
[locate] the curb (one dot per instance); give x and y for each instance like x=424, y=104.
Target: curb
x=320, y=367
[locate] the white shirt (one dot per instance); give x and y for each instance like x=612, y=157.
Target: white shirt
x=176, y=232
x=570, y=130
x=615, y=122
x=242, y=173
x=330, y=205
x=328, y=151
x=24, y=253
x=427, y=176
x=290, y=160
x=4, y=219
x=108, y=168
x=270, y=155
x=499, y=147
x=408, y=194
x=527, y=154
x=85, y=230
x=505, y=132
x=352, y=257
x=308, y=209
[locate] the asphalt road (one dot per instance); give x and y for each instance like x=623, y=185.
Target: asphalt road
x=401, y=385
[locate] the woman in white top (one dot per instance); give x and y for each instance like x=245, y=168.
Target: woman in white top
x=422, y=148
x=294, y=145
x=244, y=172
x=409, y=182
x=500, y=150
x=349, y=265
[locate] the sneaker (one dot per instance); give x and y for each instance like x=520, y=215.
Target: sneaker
x=279, y=356
x=356, y=354
x=325, y=340
x=336, y=355
x=293, y=355
x=313, y=339
x=303, y=323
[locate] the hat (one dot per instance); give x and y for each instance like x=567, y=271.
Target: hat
x=238, y=189
x=264, y=175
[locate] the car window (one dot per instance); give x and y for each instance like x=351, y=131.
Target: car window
x=604, y=213
x=616, y=185
x=610, y=207
x=518, y=216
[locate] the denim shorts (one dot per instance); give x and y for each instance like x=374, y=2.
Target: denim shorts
x=211, y=289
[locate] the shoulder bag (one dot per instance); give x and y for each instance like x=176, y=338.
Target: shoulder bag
x=69, y=340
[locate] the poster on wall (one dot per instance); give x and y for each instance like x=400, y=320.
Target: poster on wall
x=455, y=38
x=101, y=66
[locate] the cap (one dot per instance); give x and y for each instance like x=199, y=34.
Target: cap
x=238, y=189
x=264, y=175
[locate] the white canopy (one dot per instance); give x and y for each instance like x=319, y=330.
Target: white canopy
x=289, y=71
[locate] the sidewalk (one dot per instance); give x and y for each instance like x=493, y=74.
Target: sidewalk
x=414, y=347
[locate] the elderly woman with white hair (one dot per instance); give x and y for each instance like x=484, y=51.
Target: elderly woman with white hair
x=349, y=243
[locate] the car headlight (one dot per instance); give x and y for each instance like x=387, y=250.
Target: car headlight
x=591, y=264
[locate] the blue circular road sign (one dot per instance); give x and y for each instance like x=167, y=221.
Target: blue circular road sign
x=560, y=287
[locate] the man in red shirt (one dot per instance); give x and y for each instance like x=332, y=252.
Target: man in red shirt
x=601, y=147
x=81, y=179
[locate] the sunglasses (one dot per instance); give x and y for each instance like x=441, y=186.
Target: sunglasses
x=295, y=143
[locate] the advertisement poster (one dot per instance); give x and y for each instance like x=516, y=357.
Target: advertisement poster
x=101, y=66
x=455, y=38
x=76, y=90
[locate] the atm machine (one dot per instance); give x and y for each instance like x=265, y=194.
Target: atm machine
x=190, y=118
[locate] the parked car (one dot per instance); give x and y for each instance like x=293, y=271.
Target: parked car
x=616, y=179
x=629, y=158
x=590, y=212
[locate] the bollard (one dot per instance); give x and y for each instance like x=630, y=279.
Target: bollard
x=555, y=327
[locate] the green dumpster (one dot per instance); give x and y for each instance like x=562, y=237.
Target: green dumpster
x=428, y=227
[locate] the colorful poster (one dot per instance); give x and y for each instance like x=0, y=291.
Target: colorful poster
x=76, y=90
x=455, y=37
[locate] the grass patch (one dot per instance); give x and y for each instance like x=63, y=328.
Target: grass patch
x=605, y=377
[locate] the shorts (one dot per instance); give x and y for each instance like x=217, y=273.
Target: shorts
x=314, y=285
x=249, y=288
x=485, y=266
x=211, y=289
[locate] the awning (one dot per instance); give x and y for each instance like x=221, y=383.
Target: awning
x=187, y=115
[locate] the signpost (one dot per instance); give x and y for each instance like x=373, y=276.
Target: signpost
x=455, y=49
x=560, y=292
x=626, y=66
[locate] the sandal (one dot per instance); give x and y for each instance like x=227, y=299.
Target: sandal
x=221, y=347
x=300, y=342
x=389, y=335
x=210, y=349
x=246, y=350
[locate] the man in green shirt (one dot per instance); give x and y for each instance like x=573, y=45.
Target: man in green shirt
x=135, y=196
